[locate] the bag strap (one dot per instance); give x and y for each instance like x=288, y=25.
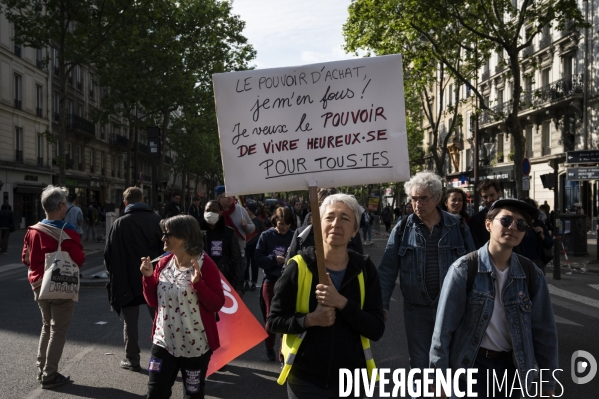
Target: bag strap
x=472, y=259
x=60, y=237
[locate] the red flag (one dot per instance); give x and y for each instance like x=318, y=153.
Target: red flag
x=238, y=329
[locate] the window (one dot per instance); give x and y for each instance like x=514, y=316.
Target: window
x=70, y=77
x=500, y=97
x=545, y=77
x=18, y=89
x=546, y=135
x=569, y=66
x=102, y=163
x=56, y=64
x=18, y=144
x=56, y=107
x=91, y=87
x=529, y=141
x=39, y=59
x=39, y=98
x=92, y=160
x=79, y=159
x=40, y=150
x=80, y=110
x=469, y=161
x=470, y=124
x=102, y=131
x=500, y=148
x=79, y=76
x=450, y=94
x=70, y=107
x=69, y=151
x=17, y=47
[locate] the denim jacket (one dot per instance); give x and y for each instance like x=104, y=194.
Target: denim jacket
x=408, y=258
x=463, y=317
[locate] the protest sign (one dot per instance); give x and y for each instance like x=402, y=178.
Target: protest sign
x=330, y=124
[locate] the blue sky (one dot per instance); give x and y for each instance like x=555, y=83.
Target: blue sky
x=292, y=32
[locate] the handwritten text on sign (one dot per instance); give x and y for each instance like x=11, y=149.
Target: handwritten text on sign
x=332, y=124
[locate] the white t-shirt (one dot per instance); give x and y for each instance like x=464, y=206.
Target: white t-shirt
x=497, y=336
x=179, y=327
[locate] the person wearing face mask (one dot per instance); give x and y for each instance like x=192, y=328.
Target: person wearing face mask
x=270, y=253
x=220, y=244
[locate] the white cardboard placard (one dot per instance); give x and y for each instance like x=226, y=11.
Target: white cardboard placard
x=330, y=124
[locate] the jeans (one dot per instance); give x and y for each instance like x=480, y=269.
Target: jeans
x=56, y=319
x=163, y=370
x=90, y=228
x=131, y=333
x=419, y=322
x=251, y=265
x=500, y=367
x=367, y=232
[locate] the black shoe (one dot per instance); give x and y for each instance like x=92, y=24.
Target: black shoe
x=58, y=380
x=270, y=354
x=126, y=364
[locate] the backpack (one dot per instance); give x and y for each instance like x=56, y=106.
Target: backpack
x=527, y=266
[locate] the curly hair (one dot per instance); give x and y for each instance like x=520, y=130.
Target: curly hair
x=425, y=180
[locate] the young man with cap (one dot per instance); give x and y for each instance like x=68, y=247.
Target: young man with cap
x=495, y=313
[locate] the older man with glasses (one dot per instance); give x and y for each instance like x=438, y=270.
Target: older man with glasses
x=421, y=248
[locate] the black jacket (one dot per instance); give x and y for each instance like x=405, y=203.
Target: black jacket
x=134, y=235
x=171, y=210
x=7, y=220
x=222, y=240
x=355, y=244
x=197, y=212
x=479, y=232
x=325, y=350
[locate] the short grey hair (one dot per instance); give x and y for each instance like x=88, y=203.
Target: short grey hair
x=187, y=228
x=52, y=197
x=425, y=180
x=348, y=200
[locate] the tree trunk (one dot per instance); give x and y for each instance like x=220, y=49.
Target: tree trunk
x=62, y=67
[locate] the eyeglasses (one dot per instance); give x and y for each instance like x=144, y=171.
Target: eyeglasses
x=506, y=221
x=166, y=235
x=423, y=200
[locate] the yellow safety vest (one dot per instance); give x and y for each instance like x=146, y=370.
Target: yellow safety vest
x=291, y=342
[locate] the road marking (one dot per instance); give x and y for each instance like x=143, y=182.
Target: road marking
x=575, y=297
x=559, y=319
x=595, y=286
x=11, y=266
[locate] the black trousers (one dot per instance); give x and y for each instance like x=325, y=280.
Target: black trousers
x=163, y=370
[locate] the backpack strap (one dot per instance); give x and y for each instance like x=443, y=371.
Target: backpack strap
x=472, y=260
x=402, y=227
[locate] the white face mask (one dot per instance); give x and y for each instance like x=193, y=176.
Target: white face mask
x=211, y=217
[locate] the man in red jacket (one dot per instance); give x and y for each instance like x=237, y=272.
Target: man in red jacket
x=40, y=239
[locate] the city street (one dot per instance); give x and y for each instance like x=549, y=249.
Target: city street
x=94, y=342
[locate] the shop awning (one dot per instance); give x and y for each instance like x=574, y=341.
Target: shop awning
x=28, y=189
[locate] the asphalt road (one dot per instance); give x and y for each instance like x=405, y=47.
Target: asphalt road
x=94, y=342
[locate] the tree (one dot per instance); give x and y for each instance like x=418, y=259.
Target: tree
x=473, y=28
x=74, y=29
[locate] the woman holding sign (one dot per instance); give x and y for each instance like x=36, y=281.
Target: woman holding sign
x=186, y=290
x=327, y=326
x=271, y=249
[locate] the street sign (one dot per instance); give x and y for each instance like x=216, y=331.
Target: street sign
x=582, y=174
x=525, y=183
x=525, y=168
x=582, y=156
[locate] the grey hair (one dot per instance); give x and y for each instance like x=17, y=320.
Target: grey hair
x=425, y=180
x=348, y=200
x=187, y=228
x=52, y=197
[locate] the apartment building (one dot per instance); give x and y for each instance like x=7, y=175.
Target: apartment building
x=559, y=112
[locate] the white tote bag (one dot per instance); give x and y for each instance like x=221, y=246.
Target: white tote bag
x=61, y=275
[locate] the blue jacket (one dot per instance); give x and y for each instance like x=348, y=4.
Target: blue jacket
x=463, y=317
x=270, y=245
x=408, y=258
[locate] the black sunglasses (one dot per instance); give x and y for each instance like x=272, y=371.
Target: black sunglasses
x=167, y=235
x=506, y=221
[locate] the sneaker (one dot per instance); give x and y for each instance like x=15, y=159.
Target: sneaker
x=253, y=286
x=58, y=380
x=126, y=364
x=270, y=354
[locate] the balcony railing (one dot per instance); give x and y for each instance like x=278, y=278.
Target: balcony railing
x=119, y=140
x=40, y=161
x=500, y=68
x=528, y=50
x=485, y=76
x=18, y=104
x=19, y=155
x=546, y=151
x=17, y=50
x=39, y=112
x=39, y=64
x=568, y=29
x=83, y=125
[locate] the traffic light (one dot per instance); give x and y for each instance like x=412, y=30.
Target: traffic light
x=548, y=181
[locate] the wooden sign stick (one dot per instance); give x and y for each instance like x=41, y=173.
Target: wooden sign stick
x=316, y=228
